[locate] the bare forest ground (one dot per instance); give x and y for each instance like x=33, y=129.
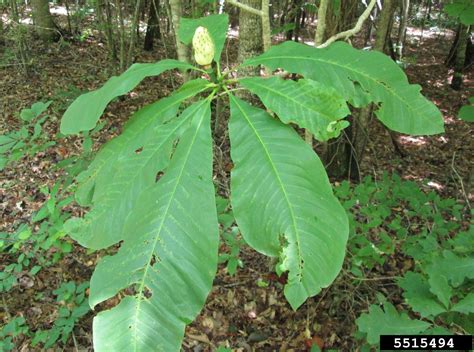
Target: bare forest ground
x=238, y=312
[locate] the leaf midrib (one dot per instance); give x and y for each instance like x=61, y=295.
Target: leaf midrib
x=297, y=102
x=160, y=228
x=349, y=68
x=136, y=171
x=293, y=217
x=139, y=130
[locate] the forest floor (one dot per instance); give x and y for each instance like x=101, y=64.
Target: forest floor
x=238, y=312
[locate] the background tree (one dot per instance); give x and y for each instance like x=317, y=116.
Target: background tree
x=250, y=31
x=176, y=12
x=460, y=56
x=402, y=30
x=2, y=30
x=338, y=154
x=153, y=25
x=44, y=23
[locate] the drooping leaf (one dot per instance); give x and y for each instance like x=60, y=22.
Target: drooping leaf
x=135, y=132
x=283, y=202
x=84, y=112
x=168, y=255
x=466, y=305
x=126, y=166
x=401, y=106
x=217, y=26
x=388, y=322
x=307, y=103
x=418, y=295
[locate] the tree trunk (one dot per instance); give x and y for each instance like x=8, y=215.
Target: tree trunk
x=321, y=27
x=341, y=15
x=338, y=154
x=152, y=28
x=134, y=33
x=122, y=58
x=250, y=32
x=361, y=123
x=109, y=31
x=456, y=82
x=233, y=12
x=2, y=30
x=43, y=20
x=402, y=30
x=284, y=13
x=273, y=10
x=250, y=44
x=384, y=27
x=451, y=59
x=22, y=48
x=370, y=26
x=298, y=16
x=68, y=16
x=425, y=19
x=292, y=17
x=176, y=13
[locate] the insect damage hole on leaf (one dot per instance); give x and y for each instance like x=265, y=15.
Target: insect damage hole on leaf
x=154, y=259
x=147, y=292
x=158, y=176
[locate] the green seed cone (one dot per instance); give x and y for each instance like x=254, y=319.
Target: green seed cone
x=203, y=46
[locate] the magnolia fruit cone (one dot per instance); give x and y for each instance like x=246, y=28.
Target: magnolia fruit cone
x=203, y=47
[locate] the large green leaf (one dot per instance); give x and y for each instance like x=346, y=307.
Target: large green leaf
x=135, y=132
x=355, y=73
x=307, y=103
x=418, y=295
x=169, y=252
x=283, y=202
x=125, y=166
x=217, y=26
x=83, y=113
x=378, y=322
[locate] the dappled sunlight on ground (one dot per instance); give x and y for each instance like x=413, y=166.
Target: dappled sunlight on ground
x=58, y=10
x=418, y=141
x=435, y=185
x=233, y=33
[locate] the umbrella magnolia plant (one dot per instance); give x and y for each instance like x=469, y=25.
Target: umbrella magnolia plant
x=151, y=188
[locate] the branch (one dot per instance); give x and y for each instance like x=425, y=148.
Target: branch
x=246, y=7
x=349, y=33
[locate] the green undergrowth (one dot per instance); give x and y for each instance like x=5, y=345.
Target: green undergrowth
x=391, y=221
x=41, y=244
x=430, y=238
